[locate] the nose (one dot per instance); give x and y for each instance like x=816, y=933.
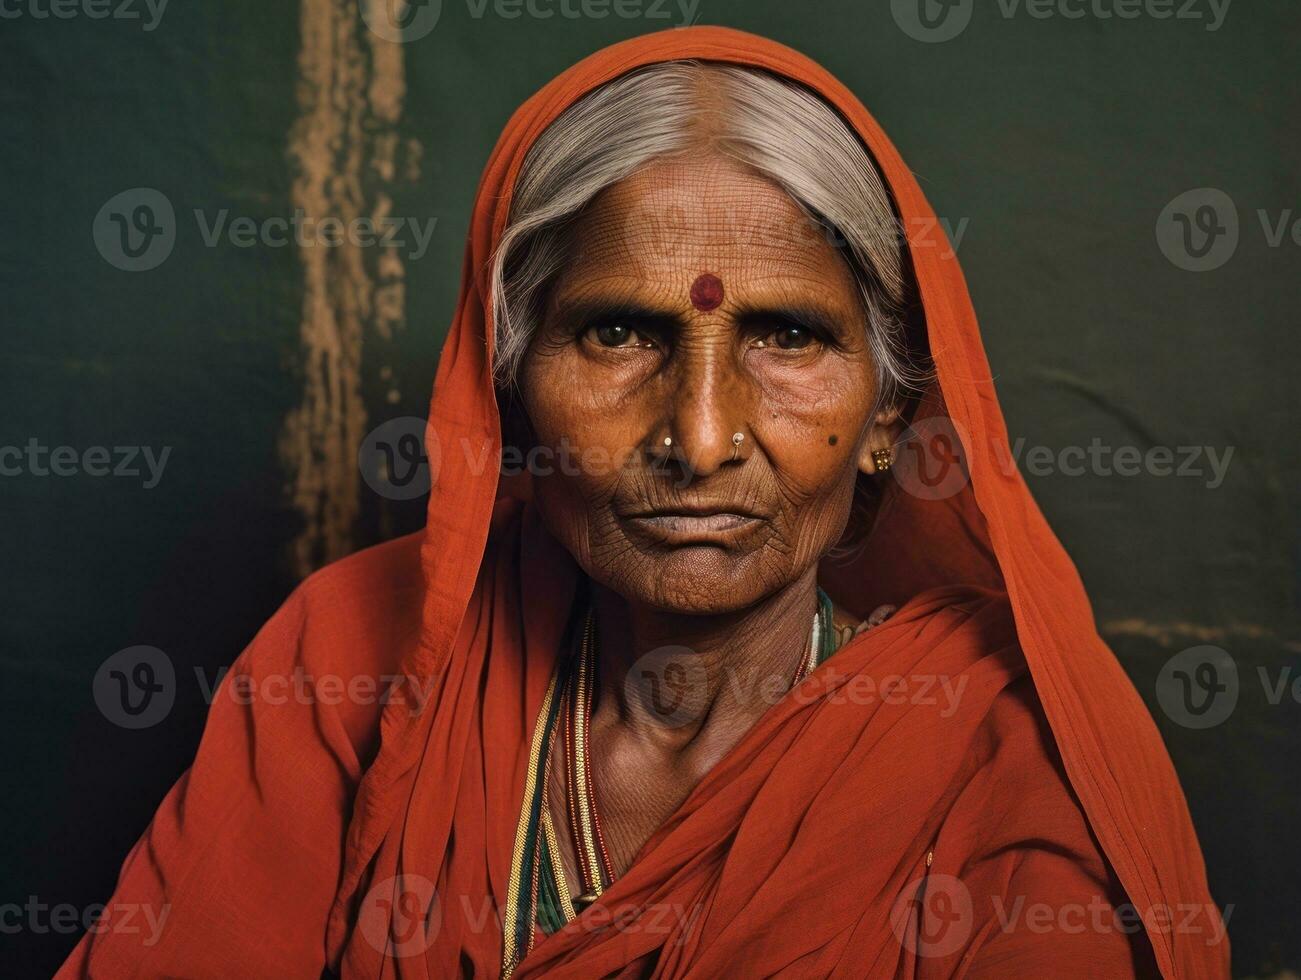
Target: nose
x=708, y=404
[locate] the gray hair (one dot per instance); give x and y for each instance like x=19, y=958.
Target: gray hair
x=778, y=128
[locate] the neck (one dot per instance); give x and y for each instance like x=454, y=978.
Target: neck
x=683, y=682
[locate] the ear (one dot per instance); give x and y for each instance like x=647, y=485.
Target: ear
x=885, y=433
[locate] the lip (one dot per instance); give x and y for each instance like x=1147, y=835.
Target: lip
x=682, y=525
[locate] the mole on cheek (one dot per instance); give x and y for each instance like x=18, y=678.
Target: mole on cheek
x=707, y=292
x=832, y=439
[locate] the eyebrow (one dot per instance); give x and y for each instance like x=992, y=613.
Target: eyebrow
x=587, y=311
x=802, y=314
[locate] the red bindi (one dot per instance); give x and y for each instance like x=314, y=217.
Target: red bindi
x=707, y=292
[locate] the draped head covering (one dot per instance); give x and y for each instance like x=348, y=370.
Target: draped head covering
x=311, y=837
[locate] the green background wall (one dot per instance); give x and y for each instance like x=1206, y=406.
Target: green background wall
x=1053, y=144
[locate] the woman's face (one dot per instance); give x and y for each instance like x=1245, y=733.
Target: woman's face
x=698, y=302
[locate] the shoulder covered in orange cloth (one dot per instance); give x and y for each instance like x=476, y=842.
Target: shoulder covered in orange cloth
x=973, y=788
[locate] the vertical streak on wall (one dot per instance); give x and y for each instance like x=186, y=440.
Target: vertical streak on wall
x=343, y=150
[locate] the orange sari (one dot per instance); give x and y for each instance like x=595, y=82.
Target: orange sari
x=971, y=789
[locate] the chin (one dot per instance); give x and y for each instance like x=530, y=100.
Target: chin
x=695, y=580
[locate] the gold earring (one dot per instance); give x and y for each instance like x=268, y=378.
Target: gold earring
x=883, y=458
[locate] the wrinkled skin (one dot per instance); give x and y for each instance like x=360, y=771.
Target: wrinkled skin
x=622, y=384
x=624, y=360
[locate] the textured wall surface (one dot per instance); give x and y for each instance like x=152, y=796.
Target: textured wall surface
x=240, y=366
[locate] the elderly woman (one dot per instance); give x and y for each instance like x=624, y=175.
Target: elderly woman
x=766, y=665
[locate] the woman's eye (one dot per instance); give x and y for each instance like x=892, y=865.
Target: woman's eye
x=617, y=335
x=788, y=338
x=792, y=338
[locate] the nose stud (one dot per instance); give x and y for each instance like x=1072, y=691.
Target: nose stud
x=737, y=439
x=668, y=441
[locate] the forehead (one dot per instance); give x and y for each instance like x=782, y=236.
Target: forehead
x=681, y=216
